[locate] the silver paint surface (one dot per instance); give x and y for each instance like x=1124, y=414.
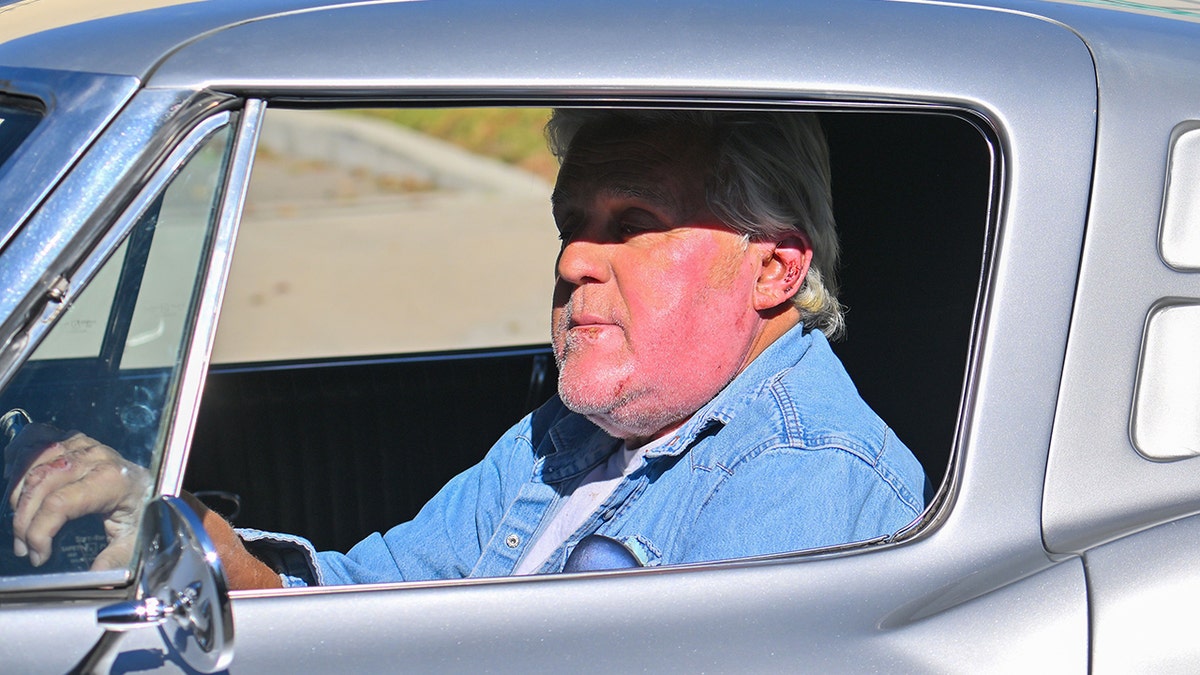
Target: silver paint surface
x=1045, y=471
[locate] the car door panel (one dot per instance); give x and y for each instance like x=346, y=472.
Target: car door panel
x=884, y=610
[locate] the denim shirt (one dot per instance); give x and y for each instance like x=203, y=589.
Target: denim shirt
x=786, y=457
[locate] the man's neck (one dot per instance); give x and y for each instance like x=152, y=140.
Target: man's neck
x=773, y=327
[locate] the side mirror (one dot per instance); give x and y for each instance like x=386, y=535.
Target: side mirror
x=181, y=586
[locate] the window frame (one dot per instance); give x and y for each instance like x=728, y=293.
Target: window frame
x=161, y=163
x=938, y=508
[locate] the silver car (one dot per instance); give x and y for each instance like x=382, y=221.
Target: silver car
x=1017, y=187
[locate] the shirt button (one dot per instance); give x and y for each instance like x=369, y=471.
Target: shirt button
x=512, y=541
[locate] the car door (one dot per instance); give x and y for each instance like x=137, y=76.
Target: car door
x=971, y=583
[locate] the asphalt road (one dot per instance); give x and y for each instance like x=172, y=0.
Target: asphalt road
x=361, y=238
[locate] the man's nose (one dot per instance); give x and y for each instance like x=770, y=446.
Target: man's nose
x=583, y=261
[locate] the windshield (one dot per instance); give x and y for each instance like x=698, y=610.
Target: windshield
x=17, y=119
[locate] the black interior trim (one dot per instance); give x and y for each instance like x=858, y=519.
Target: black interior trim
x=340, y=448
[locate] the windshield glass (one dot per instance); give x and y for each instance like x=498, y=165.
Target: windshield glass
x=17, y=119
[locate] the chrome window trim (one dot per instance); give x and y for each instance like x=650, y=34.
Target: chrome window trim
x=43, y=256
x=75, y=108
x=67, y=288
x=204, y=330
x=102, y=252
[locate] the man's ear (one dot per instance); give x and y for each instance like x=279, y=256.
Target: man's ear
x=784, y=265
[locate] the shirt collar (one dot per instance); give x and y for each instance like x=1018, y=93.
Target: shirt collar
x=760, y=374
x=579, y=446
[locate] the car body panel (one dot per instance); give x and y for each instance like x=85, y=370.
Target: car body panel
x=1093, y=453
x=1142, y=604
x=815, y=47
x=1001, y=573
x=73, y=36
x=718, y=619
x=779, y=625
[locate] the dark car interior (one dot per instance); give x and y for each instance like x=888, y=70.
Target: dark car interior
x=337, y=448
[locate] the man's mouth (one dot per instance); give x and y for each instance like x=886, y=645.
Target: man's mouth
x=586, y=331
x=589, y=321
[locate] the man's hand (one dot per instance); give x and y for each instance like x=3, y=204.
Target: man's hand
x=73, y=476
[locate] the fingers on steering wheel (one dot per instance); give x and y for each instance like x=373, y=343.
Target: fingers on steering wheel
x=68, y=487
x=41, y=480
x=57, y=465
x=35, y=473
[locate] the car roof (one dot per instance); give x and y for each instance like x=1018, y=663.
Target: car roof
x=1182, y=9
x=124, y=37
x=133, y=37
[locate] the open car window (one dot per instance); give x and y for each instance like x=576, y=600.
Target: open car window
x=110, y=365
x=387, y=315
x=360, y=234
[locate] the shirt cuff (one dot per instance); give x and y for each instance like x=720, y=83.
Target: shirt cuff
x=293, y=558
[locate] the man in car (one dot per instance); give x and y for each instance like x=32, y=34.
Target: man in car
x=700, y=413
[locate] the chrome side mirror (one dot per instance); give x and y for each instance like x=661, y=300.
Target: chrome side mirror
x=181, y=587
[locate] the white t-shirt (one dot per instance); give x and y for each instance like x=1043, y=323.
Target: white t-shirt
x=583, y=502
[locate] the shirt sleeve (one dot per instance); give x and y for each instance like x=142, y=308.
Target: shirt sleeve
x=293, y=558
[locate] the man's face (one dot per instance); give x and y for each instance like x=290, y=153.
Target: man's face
x=653, y=306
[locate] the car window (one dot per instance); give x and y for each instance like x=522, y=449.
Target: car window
x=17, y=119
x=387, y=315
x=360, y=232
x=143, y=324
x=108, y=366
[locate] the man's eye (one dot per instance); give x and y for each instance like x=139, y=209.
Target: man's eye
x=635, y=225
